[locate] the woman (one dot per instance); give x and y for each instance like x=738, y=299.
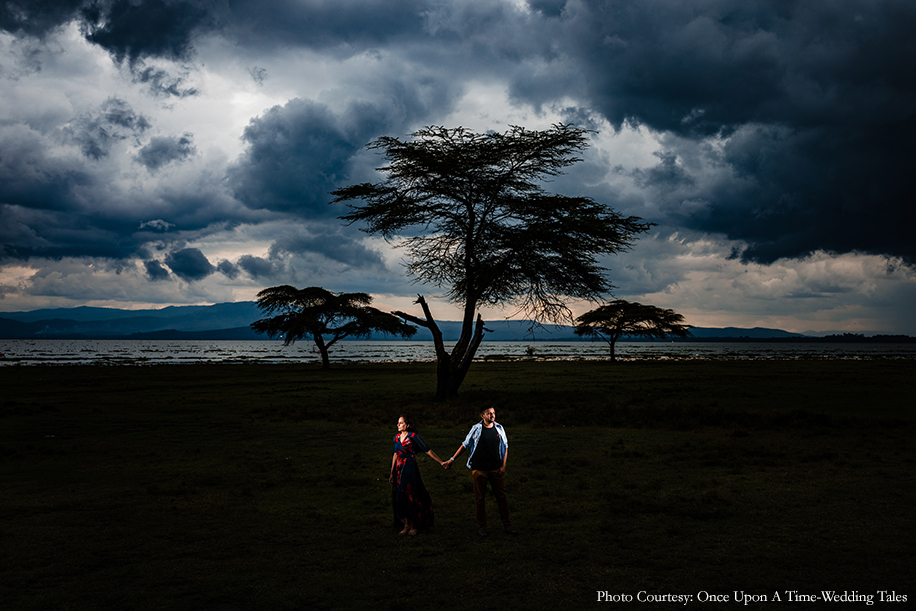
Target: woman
x=412, y=506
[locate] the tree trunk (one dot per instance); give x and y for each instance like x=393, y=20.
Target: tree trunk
x=460, y=369
x=450, y=368
x=613, y=341
x=323, y=350
x=445, y=386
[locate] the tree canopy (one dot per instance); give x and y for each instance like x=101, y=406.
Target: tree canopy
x=324, y=316
x=474, y=219
x=622, y=318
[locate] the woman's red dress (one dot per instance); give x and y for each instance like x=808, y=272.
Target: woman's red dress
x=409, y=496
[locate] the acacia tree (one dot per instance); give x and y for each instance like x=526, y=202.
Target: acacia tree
x=622, y=318
x=471, y=214
x=318, y=313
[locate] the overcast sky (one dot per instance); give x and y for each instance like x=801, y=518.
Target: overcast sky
x=166, y=152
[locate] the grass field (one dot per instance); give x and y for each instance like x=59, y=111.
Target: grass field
x=244, y=487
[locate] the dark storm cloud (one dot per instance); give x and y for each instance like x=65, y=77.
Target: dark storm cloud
x=131, y=31
x=228, y=269
x=549, y=8
x=189, y=264
x=36, y=17
x=667, y=174
x=26, y=233
x=295, y=154
x=786, y=124
x=258, y=267
x=162, y=84
x=298, y=153
x=114, y=122
x=816, y=98
x=56, y=205
x=155, y=271
x=156, y=225
x=17, y=235
x=349, y=25
x=698, y=67
x=31, y=178
x=41, y=195
x=330, y=241
x=163, y=150
x=111, y=228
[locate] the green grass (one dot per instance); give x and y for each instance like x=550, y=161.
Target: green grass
x=265, y=487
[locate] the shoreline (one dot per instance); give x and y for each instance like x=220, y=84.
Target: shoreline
x=156, y=352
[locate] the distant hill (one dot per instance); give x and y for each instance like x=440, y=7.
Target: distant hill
x=736, y=332
x=100, y=323
x=231, y=321
x=224, y=315
x=522, y=330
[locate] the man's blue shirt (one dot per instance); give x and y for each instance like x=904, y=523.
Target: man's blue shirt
x=470, y=442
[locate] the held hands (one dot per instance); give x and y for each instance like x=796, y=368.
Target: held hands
x=447, y=464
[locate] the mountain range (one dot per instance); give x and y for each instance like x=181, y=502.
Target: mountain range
x=230, y=321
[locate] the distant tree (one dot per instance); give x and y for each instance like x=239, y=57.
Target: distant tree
x=470, y=212
x=319, y=314
x=622, y=318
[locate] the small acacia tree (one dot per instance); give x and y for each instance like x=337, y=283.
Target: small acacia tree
x=470, y=212
x=622, y=318
x=318, y=313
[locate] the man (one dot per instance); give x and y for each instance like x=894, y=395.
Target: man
x=489, y=449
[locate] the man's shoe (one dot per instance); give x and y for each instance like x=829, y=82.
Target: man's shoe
x=482, y=532
x=511, y=531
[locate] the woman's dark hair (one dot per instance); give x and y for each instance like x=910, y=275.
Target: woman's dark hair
x=411, y=425
x=485, y=408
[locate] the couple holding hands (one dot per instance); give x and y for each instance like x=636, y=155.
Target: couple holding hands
x=488, y=448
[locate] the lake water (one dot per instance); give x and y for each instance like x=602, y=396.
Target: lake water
x=153, y=352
